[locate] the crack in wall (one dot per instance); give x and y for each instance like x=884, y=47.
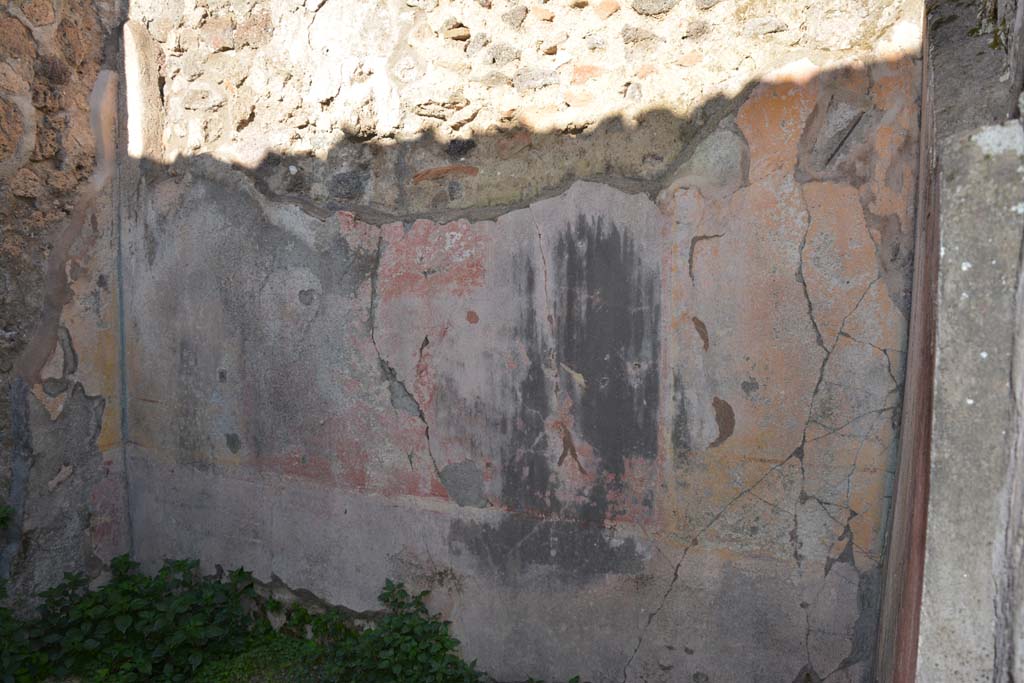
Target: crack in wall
x=831, y=431
x=697, y=239
x=847, y=532
x=679, y=563
x=401, y=398
x=809, y=672
x=886, y=352
x=803, y=283
x=824, y=364
x=798, y=453
x=846, y=136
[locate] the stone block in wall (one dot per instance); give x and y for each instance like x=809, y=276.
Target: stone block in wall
x=968, y=609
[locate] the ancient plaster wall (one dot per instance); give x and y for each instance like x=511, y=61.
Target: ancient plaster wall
x=588, y=316
x=60, y=455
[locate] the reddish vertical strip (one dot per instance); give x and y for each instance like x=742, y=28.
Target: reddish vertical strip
x=904, y=570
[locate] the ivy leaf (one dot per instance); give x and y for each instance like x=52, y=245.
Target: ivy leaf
x=122, y=622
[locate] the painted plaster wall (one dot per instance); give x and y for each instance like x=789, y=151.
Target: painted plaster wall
x=588, y=316
x=60, y=454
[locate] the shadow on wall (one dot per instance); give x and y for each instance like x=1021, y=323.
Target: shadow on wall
x=626, y=397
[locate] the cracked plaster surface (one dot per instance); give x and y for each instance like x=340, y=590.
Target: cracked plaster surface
x=639, y=428
x=460, y=356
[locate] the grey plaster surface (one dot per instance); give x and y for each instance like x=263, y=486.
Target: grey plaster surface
x=982, y=219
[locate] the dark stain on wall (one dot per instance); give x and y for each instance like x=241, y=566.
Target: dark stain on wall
x=607, y=320
x=605, y=317
x=569, y=450
x=865, y=628
x=726, y=419
x=681, y=444
x=526, y=471
x=702, y=330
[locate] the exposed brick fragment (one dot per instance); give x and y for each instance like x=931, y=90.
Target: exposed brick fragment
x=445, y=171
x=606, y=8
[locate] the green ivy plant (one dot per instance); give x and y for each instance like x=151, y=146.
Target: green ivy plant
x=18, y=660
x=137, y=628
x=270, y=657
x=407, y=644
x=179, y=626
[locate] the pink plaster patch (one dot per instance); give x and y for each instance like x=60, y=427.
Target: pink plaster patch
x=432, y=260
